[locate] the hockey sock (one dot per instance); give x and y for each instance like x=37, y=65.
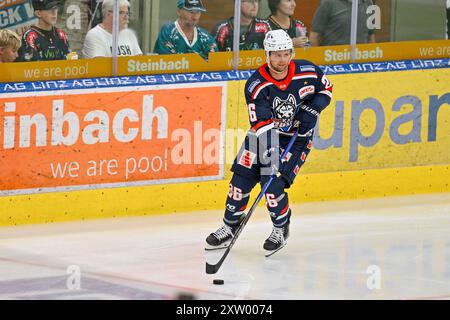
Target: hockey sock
x=238, y=197
x=277, y=202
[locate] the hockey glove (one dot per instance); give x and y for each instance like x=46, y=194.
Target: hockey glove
x=307, y=115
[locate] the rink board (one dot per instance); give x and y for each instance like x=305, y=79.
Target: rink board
x=112, y=137
x=217, y=61
x=385, y=133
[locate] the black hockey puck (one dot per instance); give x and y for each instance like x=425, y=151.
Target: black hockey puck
x=218, y=281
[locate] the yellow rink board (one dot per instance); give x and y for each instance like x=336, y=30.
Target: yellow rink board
x=186, y=63
x=384, y=169
x=173, y=198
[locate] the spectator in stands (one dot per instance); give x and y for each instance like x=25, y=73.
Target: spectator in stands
x=252, y=30
x=331, y=23
x=44, y=41
x=281, y=18
x=9, y=45
x=99, y=40
x=184, y=35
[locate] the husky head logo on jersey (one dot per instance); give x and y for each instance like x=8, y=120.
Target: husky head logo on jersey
x=284, y=111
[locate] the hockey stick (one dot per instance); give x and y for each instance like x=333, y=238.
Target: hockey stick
x=213, y=268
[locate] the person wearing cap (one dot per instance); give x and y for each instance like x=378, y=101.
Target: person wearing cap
x=99, y=40
x=184, y=35
x=44, y=41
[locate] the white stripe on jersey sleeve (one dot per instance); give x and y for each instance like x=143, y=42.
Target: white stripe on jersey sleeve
x=259, y=90
x=326, y=92
x=305, y=77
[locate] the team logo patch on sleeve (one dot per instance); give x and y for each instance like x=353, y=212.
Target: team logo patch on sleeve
x=307, y=68
x=303, y=92
x=253, y=85
x=31, y=38
x=247, y=159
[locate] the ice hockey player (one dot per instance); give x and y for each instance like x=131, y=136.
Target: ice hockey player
x=282, y=96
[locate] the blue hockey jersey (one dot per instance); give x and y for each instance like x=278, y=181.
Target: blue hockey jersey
x=274, y=104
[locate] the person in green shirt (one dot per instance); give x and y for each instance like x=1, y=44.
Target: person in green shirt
x=184, y=35
x=331, y=23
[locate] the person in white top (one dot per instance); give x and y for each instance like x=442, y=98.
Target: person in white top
x=98, y=41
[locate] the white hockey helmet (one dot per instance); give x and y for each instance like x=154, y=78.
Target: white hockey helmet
x=277, y=40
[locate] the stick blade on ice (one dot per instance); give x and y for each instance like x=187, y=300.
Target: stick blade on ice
x=211, y=268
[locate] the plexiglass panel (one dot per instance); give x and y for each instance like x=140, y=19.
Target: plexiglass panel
x=49, y=29
x=180, y=26
x=84, y=29
x=332, y=22
x=378, y=21
x=412, y=20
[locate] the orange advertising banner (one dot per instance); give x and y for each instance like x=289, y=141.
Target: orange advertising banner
x=85, y=139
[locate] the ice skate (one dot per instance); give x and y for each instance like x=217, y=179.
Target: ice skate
x=222, y=237
x=277, y=239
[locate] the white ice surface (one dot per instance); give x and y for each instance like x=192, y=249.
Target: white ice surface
x=330, y=249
